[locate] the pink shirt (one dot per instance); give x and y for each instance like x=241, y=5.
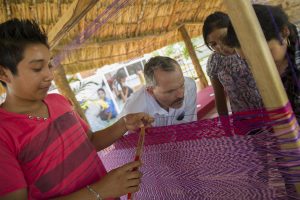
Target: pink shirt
x=51, y=157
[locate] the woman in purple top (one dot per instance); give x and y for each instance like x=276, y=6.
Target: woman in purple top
x=229, y=74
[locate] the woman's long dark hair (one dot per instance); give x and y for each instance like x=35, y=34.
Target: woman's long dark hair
x=272, y=20
x=214, y=21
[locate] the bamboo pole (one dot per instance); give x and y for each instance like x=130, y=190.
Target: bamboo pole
x=77, y=10
x=188, y=43
x=64, y=88
x=71, y=17
x=261, y=62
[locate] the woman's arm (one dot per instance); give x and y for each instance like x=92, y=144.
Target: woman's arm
x=124, y=94
x=18, y=194
x=220, y=97
x=116, y=183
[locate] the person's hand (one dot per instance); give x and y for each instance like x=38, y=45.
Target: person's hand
x=120, y=181
x=137, y=120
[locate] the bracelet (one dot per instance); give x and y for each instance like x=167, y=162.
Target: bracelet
x=94, y=192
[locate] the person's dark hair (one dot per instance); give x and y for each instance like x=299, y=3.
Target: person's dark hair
x=158, y=62
x=272, y=20
x=15, y=36
x=121, y=74
x=214, y=21
x=101, y=89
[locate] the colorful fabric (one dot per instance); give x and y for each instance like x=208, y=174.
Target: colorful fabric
x=221, y=158
x=142, y=101
x=111, y=108
x=103, y=104
x=50, y=158
x=237, y=80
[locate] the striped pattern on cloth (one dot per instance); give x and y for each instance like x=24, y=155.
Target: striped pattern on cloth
x=209, y=159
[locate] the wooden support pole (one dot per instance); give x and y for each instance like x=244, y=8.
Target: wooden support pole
x=192, y=53
x=74, y=14
x=64, y=88
x=77, y=10
x=261, y=62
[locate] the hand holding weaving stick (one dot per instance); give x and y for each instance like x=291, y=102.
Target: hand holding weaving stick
x=135, y=121
x=138, y=153
x=120, y=181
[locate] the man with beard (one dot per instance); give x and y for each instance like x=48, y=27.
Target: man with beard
x=168, y=96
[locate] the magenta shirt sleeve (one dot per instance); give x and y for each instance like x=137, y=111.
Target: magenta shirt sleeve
x=12, y=177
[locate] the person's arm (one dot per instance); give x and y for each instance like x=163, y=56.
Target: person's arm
x=104, y=138
x=124, y=94
x=109, y=115
x=16, y=195
x=220, y=97
x=116, y=183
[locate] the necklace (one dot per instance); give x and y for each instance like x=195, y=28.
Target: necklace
x=37, y=118
x=31, y=116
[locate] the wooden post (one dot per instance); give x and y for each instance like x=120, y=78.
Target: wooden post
x=64, y=88
x=261, y=61
x=71, y=17
x=192, y=53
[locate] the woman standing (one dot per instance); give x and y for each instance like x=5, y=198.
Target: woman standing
x=229, y=74
x=283, y=40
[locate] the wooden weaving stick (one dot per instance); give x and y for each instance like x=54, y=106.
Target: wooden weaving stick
x=138, y=153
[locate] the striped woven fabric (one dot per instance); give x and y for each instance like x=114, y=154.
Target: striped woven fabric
x=209, y=159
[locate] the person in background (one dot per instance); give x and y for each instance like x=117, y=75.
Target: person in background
x=108, y=110
x=168, y=95
x=120, y=88
x=283, y=40
x=229, y=74
x=46, y=150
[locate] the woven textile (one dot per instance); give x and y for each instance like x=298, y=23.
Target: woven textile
x=207, y=159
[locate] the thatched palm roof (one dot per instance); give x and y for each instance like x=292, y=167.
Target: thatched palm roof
x=139, y=27
x=126, y=28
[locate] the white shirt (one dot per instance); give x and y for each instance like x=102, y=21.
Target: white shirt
x=142, y=101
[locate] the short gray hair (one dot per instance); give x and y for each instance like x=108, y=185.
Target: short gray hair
x=158, y=62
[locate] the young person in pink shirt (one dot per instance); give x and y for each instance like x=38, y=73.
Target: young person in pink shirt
x=46, y=149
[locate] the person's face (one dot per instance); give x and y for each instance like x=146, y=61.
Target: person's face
x=169, y=91
x=278, y=50
x=101, y=94
x=215, y=41
x=34, y=74
x=123, y=80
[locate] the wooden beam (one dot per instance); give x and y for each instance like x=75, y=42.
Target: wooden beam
x=140, y=17
x=63, y=87
x=171, y=18
x=112, y=41
x=70, y=18
x=262, y=66
x=74, y=14
x=192, y=53
x=8, y=9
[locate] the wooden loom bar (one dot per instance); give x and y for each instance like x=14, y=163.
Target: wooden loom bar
x=111, y=41
x=65, y=89
x=261, y=61
x=74, y=14
x=71, y=17
x=138, y=153
x=192, y=53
